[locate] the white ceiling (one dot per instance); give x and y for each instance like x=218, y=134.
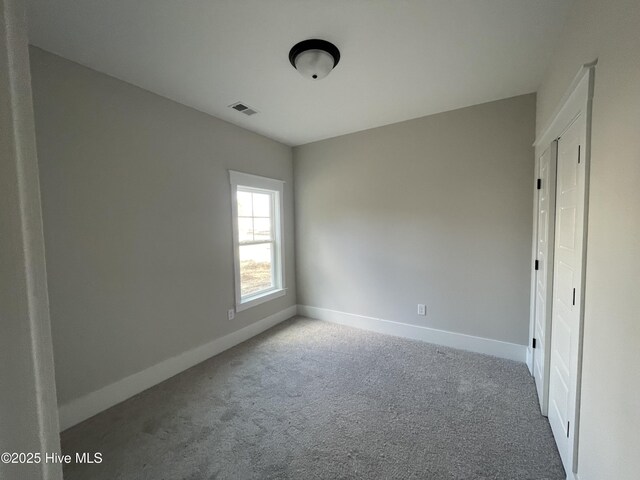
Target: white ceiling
x=401, y=59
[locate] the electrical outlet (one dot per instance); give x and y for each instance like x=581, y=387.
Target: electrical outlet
x=231, y=314
x=422, y=309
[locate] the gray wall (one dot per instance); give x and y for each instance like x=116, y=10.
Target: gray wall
x=137, y=222
x=610, y=411
x=435, y=210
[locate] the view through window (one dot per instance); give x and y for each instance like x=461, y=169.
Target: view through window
x=256, y=240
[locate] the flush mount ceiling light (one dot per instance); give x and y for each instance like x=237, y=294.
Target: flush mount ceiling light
x=314, y=58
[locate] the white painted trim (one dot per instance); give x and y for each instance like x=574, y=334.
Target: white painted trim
x=560, y=118
x=248, y=179
x=572, y=476
x=534, y=256
x=29, y=416
x=461, y=341
x=262, y=298
x=82, y=408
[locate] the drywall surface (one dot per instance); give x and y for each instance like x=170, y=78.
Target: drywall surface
x=137, y=223
x=610, y=410
x=435, y=210
x=28, y=413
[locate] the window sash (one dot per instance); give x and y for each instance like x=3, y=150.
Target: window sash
x=274, y=277
x=274, y=280
x=255, y=242
x=273, y=195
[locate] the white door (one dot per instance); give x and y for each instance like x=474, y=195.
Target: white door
x=567, y=287
x=543, y=279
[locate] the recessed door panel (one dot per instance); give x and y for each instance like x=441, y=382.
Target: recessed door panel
x=561, y=344
x=567, y=227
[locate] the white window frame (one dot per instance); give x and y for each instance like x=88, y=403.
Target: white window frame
x=265, y=185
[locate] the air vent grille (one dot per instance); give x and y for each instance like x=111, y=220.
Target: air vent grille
x=243, y=108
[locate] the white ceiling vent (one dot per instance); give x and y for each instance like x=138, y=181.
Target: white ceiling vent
x=243, y=108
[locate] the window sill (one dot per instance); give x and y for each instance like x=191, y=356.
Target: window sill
x=261, y=298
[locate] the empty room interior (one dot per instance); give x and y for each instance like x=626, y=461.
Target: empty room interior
x=296, y=239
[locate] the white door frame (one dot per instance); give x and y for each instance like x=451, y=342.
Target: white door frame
x=28, y=407
x=577, y=99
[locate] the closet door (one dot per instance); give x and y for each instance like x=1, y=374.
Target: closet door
x=567, y=287
x=543, y=270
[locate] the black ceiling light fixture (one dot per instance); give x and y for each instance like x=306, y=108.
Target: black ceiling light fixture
x=314, y=58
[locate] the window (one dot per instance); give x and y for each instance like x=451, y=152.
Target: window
x=257, y=238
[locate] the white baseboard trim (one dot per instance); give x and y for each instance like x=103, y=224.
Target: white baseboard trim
x=487, y=346
x=93, y=403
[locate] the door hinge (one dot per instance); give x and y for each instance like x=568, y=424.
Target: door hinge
x=574, y=296
x=536, y=265
x=568, y=423
x=579, y=151
x=539, y=184
x=533, y=343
